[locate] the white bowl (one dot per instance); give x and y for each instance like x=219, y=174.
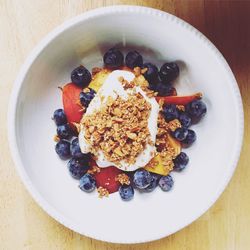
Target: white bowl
x=160, y=37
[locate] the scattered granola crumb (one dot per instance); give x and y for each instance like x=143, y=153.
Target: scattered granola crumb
x=103, y=192
x=86, y=90
x=180, y=107
x=123, y=179
x=56, y=138
x=174, y=124
x=95, y=169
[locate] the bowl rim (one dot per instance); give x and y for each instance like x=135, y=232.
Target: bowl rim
x=11, y=123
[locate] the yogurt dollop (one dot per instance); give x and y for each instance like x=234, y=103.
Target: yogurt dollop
x=112, y=87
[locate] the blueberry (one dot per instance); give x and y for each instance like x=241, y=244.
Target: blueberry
x=163, y=89
x=181, y=161
x=63, y=149
x=151, y=74
x=64, y=131
x=153, y=184
x=78, y=167
x=86, y=97
x=170, y=112
x=142, y=179
x=126, y=192
x=185, y=120
x=133, y=59
x=180, y=134
x=59, y=117
x=75, y=149
x=113, y=58
x=196, y=109
x=169, y=71
x=166, y=182
x=190, y=138
x=81, y=76
x=87, y=183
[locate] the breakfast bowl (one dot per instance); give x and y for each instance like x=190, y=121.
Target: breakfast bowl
x=160, y=37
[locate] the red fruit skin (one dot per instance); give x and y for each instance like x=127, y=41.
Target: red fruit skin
x=106, y=179
x=71, y=102
x=179, y=100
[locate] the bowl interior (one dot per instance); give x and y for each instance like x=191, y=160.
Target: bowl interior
x=152, y=215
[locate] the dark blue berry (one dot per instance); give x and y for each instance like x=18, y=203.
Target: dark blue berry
x=181, y=161
x=196, y=109
x=170, y=112
x=126, y=192
x=63, y=149
x=87, y=183
x=154, y=183
x=75, y=149
x=151, y=74
x=133, y=59
x=81, y=76
x=78, y=167
x=64, y=131
x=163, y=89
x=113, y=58
x=169, y=71
x=185, y=120
x=86, y=97
x=190, y=138
x=180, y=134
x=142, y=179
x=166, y=182
x=59, y=117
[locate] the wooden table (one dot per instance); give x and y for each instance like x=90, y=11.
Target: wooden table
x=24, y=225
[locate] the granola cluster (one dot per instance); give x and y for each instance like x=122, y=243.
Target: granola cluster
x=119, y=129
x=165, y=148
x=123, y=179
x=103, y=192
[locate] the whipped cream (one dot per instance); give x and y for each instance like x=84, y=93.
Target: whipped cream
x=113, y=87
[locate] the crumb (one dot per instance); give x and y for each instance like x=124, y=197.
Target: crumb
x=123, y=179
x=56, y=138
x=103, y=192
x=95, y=169
x=180, y=107
x=86, y=90
x=174, y=124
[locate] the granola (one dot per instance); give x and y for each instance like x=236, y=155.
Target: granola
x=119, y=129
x=123, y=179
x=103, y=192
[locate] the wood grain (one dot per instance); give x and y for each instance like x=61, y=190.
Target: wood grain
x=24, y=225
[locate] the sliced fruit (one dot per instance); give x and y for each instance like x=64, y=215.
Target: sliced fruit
x=176, y=145
x=106, y=178
x=98, y=79
x=179, y=100
x=71, y=103
x=157, y=166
